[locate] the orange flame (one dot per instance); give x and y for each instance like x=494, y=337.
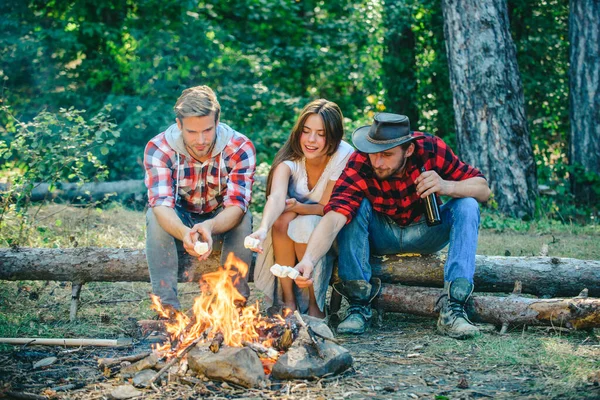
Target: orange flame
x=215, y=310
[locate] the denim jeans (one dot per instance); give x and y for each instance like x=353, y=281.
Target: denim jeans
x=164, y=252
x=371, y=232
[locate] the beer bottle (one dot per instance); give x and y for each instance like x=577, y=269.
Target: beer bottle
x=432, y=209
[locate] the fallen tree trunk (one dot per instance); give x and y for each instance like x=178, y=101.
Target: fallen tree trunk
x=539, y=275
x=91, y=264
x=96, y=191
x=542, y=276
x=513, y=310
x=133, y=190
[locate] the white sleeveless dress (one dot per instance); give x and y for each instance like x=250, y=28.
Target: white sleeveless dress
x=299, y=231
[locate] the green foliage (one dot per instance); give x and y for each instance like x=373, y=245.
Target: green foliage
x=266, y=60
x=52, y=148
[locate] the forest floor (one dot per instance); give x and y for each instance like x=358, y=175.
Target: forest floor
x=401, y=358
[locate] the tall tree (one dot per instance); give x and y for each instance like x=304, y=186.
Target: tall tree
x=584, y=98
x=399, y=63
x=488, y=101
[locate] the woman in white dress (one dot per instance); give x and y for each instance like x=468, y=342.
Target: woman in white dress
x=299, y=185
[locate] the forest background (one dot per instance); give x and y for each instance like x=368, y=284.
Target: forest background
x=126, y=62
x=85, y=84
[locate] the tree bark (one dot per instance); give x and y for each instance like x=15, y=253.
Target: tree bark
x=133, y=190
x=575, y=313
x=97, y=191
x=539, y=275
x=89, y=264
x=491, y=127
x=584, y=99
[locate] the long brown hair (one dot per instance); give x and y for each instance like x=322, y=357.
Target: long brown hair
x=334, y=132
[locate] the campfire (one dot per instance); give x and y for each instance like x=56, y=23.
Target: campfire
x=223, y=338
x=219, y=316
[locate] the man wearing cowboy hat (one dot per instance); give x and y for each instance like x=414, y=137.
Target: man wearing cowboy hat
x=377, y=207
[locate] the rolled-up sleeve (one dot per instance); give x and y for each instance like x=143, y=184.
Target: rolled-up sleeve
x=241, y=177
x=159, y=177
x=450, y=167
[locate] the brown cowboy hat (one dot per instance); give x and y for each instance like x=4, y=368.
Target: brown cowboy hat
x=388, y=130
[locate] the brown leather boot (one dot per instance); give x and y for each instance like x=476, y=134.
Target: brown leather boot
x=359, y=294
x=453, y=320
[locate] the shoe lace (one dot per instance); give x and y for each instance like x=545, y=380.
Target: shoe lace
x=456, y=309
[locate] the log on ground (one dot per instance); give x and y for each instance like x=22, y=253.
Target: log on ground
x=91, y=264
x=542, y=276
x=513, y=310
x=93, y=191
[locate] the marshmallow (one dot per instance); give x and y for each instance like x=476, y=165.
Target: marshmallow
x=281, y=271
x=251, y=243
x=201, y=247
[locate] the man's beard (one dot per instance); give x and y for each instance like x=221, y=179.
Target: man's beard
x=386, y=173
x=198, y=155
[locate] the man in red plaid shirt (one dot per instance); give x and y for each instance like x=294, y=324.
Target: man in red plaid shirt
x=377, y=207
x=199, y=175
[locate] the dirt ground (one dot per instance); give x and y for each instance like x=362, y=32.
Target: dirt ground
x=402, y=359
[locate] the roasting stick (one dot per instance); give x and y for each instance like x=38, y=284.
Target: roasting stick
x=311, y=333
x=200, y=338
x=173, y=361
x=68, y=342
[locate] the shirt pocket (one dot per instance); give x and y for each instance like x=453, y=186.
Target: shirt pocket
x=186, y=183
x=214, y=188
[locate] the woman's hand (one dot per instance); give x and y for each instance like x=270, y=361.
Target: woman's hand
x=291, y=204
x=261, y=235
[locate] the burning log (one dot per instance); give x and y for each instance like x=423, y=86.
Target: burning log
x=260, y=349
x=574, y=313
x=173, y=361
x=216, y=343
x=285, y=340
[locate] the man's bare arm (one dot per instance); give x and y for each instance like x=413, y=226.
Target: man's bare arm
x=169, y=220
x=430, y=182
x=473, y=187
x=225, y=220
x=319, y=243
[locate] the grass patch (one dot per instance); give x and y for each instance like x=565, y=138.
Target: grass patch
x=56, y=225
x=557, y=362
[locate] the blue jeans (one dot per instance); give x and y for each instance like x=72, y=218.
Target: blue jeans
x=376, y=233
x=165, y=253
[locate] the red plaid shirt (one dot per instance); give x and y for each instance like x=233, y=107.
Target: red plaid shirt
x=396, y=197
x=200, y=190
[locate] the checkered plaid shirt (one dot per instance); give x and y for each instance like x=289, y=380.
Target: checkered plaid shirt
x=396, y=197
x=199, y=188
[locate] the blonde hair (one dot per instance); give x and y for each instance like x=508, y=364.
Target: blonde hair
x=198, y=101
